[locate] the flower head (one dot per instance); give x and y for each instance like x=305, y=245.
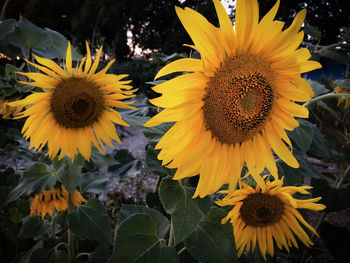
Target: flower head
x=75, y=107
x=56, y=198
x=263, y=215
x=237, y=100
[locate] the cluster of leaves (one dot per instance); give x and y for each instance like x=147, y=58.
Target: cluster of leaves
x=170, y=226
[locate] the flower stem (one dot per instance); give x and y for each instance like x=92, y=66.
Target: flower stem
x=70, y=246
x=181, y=250
x=171, y=236
x=326, y=96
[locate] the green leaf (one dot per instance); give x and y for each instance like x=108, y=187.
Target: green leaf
x=328, y=109
x=50, y=256
x=344, y=84
x=185, y=211
x=168, y=255
x=338, y=56
x=100, y=254
x=212, y=241
x=91, y=221
x=320, y=146
x=93, y=183
x=154, y=165
x=317, y=87
x=57, y=49
x=35, y=180
x=291, y=175
x=126, y=164
x=153, y=134
x=136, y=240
x=28, y=35
x=162, y=223
x=306, y=168
x=336, y=239
x=32, y=227
x=334, y=199
x=302, y=135
x=312, y=31
x=6, y=27
x=68, y=173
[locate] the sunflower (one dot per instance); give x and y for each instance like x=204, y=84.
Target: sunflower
x=235, y=103
x=263, y=215
x=339, y=90
x=56, y=198
x=75, y=107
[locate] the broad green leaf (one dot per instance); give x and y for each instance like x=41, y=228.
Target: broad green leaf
x=100, y=254
x=153, y=134
x=334, y=199
x=162, y=223
x=93, y=183
x=28, y=35
x=320, y=146
x=168, y=255
x=329, y=109
x=185, y=211
x=101, y=159
x=306, y=168
x=317, y=87
x=91, y=221
x=50, y=256
x=32, y=227
x=337, y=240
x=338, y=56
x=312, y=31
x=291, y=175
x=212, y=241
x=126, y=164
x=25, y=258
x=154, y=165
x=302, y=135
x=68, y=173
x=6, y=27
x=136, y=240
x=34, y=181
x=58, y=47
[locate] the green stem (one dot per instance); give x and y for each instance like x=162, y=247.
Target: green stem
x=326, y=96
x=171, y=236
x=339, y=44
x=70, y=246
x=3, y=10
x=181, y=250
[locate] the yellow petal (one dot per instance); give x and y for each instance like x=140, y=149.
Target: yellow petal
x=181, y=65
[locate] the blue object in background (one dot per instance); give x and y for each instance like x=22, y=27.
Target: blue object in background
x=330, y=69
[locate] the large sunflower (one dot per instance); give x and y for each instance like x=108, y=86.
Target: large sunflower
x=239, y=99
x=259, y=216
x=75, y=108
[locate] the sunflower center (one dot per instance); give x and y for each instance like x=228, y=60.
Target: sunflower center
x=259, y=210
x=76, y=103
x=239, y=98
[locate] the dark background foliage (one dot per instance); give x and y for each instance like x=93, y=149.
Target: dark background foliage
x=154, y=23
